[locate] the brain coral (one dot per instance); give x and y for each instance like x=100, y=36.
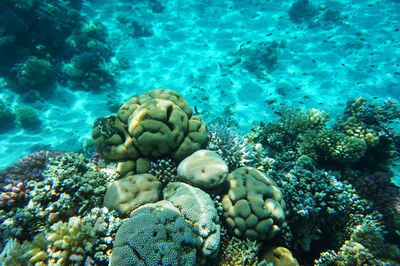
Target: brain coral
x=156, y=234
x=128, y=193
x=253, y=206
x=204, y=169
x=154, y=124
x=199, y=211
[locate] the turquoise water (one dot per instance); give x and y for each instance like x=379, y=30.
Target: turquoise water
x=238, y=64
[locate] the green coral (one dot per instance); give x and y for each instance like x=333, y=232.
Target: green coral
x=366, y=246
x=362, y=133
x=65, y=243
x=28, y=118
x=239, y=252
x=33, y=74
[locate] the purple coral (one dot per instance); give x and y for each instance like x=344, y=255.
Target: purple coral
x=378, y=188
x=14, y=179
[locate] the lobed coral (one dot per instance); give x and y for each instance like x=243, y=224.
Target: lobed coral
x=152, y=125
x=253, y=206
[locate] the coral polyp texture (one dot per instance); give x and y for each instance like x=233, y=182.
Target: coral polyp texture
x=151, y=125
x=156, y=234
x=253, y=207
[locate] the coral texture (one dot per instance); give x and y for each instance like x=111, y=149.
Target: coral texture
x=129, y=193
x=199, y=211
x=234, y=149
x=156, y=234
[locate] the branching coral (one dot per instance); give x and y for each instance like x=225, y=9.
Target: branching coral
x=319, y=204
x=65, y=243
x=361, y=137
x=238, y=252
x=234, y=149
x=164, y=170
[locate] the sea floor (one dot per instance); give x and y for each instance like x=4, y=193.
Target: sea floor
x=207, y=51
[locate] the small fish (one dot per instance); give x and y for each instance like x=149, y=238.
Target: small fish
x=269, y=34
x=195, y=110
x=205, y=98
x=269, y=102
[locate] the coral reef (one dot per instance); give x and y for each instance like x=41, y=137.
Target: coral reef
x=356, y=138
x=311, y=194
x=33, y=74
x=34, y=54
x=77, y=241
x=253, y=206
x=377, y=188
x=259, y=58
x=204, y=169
x=30, y=167
x=58, y=187
x=234, y=149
